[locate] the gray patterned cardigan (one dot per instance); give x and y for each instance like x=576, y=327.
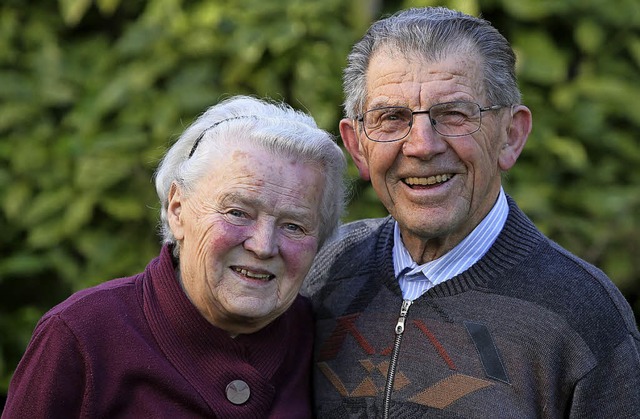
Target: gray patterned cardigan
x=529, y=331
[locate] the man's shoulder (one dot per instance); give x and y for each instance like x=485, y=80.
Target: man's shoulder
x=595, y=290
x=552, y=277
x=354, y=244
x=357, y=236
x=360, y=230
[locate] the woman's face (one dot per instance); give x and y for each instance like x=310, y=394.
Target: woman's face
x=248, y=233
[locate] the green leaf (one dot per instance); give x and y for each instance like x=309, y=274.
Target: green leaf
x=46, y=205
x=108, y=7
x=73, y=10
x=99, y=172
x=589, y=36
x=541, y=59
x=570, y=152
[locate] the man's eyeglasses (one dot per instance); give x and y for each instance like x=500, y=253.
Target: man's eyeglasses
x=450, y=119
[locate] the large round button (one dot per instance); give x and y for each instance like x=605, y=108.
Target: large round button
x=238, y=392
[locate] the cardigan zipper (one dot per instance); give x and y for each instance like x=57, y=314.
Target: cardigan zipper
x=391, y=373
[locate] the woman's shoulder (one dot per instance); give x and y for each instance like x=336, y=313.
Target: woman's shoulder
x=102, y=303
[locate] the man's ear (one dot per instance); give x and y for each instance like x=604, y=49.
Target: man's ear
x=174, y=211
x=352, y=144
x=517, y=134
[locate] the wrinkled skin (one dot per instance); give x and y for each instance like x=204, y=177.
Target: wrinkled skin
x=248, y=233
x=437, y=188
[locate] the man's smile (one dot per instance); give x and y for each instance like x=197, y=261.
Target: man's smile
x=428, y=181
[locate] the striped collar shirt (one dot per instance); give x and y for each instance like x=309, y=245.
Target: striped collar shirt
x=416, y=279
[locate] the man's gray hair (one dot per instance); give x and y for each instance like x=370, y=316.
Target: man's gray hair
x=433, y=33
x=272, y=126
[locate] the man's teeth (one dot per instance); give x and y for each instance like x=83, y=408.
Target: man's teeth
x=431, y=180
x=249, y=274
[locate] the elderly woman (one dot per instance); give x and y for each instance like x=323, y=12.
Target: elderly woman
x=214, y=326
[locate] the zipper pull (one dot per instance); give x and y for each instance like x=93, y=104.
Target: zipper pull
x=403, y=315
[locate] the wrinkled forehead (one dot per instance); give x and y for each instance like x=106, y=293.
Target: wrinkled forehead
x=403, y=72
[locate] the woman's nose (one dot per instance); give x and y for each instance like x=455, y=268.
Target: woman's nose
x=262, y=240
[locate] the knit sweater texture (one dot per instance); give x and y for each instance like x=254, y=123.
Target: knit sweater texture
x=528, y=331
x=137, y=348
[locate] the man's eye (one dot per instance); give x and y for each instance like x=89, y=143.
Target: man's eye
x=393, y=115
x=452, y=117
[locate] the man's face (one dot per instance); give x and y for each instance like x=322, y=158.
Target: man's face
x=437, y=188
x=248, y=233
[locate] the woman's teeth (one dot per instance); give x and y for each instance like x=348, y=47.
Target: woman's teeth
x=252, y=275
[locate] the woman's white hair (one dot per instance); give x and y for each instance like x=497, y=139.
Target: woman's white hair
x=273, y=126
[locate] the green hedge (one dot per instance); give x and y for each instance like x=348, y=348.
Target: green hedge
x=92, y=93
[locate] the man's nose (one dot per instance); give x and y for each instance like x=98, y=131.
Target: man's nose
x=423, y=141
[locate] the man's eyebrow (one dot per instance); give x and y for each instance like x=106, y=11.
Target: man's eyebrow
x=382, y=103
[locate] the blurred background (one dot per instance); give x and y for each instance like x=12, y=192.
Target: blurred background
x=92, y=92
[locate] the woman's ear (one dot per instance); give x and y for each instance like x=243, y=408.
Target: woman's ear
x=174, y=211
x=353, y=146
x=517, y=134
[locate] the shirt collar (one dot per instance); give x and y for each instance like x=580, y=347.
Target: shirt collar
x=462, y=256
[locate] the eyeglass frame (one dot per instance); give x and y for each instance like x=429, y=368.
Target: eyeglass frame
x=360, y=118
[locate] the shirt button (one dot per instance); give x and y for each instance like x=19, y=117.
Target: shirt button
x=238, y=392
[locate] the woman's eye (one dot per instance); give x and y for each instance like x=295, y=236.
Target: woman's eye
x=293, y=228
x=236, y=213
x=237, y=217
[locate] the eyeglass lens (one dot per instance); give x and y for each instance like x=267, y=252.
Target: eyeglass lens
x=455, y=119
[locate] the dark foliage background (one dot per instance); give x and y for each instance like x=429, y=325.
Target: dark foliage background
x=93, y=91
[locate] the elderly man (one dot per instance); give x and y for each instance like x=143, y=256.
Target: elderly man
x=456, y=305
x=214, y=327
